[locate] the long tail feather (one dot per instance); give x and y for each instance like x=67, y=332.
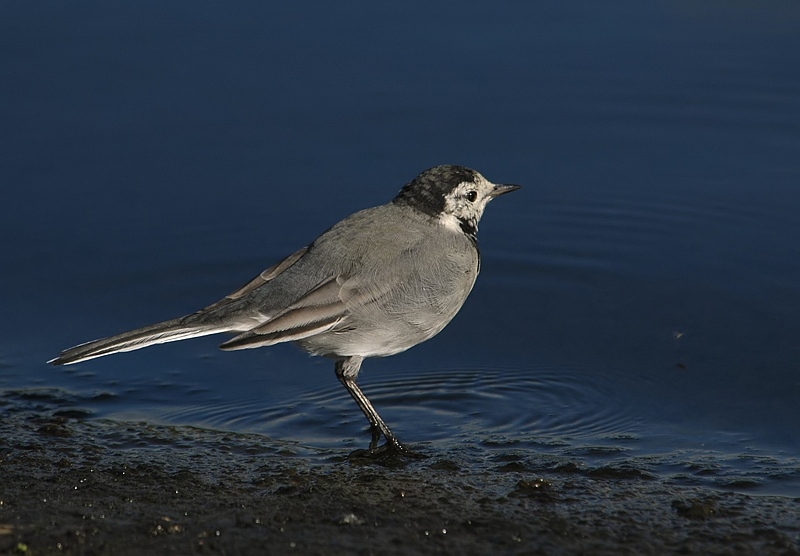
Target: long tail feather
x=162, y=332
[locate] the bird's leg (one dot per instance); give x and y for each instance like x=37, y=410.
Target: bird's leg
x=346, y=371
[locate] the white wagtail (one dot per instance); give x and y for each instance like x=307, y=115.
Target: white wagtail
x=377, y=283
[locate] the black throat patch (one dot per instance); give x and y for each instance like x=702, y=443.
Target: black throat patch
x=469, y=227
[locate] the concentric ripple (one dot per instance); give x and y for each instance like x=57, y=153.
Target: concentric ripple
x=435, y=405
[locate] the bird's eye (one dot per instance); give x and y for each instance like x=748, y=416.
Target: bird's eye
x=471, y=196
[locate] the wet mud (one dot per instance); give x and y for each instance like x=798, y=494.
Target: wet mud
x=71, y=485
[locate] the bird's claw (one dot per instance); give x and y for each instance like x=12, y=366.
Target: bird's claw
x=390, y=454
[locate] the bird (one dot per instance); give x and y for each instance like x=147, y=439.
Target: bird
x=377, y=283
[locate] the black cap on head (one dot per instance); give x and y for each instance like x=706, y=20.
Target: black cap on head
x=426, y=192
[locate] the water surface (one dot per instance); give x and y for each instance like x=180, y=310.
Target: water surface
x=639, y=297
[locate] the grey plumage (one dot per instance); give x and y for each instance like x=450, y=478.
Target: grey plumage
x=377, y=283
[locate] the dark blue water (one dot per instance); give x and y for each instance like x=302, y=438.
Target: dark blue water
x=639, y=297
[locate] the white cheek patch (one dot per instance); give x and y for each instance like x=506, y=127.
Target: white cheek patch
x=461, y=215
x=450, y=222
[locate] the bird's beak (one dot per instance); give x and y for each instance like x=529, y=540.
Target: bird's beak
x=501, y=188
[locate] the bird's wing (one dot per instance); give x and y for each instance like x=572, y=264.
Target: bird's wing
x=317, y=311
x=259, y=280
x=322, y=309
x=359, y=288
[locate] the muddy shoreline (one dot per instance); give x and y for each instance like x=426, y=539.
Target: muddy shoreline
x=82, y=486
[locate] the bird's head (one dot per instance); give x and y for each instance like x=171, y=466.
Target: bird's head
x=455, y=195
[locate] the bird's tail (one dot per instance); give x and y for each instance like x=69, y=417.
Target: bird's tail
x=159, y=333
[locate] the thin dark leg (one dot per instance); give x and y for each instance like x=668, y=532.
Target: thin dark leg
x=346, y=372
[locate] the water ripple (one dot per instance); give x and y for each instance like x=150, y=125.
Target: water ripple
x=446, y=404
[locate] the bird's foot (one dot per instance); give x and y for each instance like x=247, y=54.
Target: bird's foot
x=390, y=454
x=394, y=446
